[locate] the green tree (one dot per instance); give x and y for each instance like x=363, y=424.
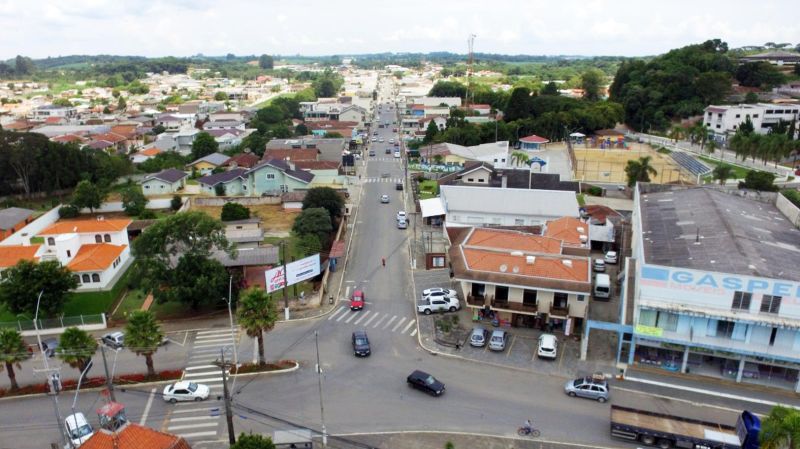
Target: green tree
x=76, y=348
x=520, y=158
x=24, y=65
x=88, y=195
x=431, y=132
x=315, y=220
x=176, y=203
x=13, y=351
x=448, y=89
x=203, y=145
x=759, y=180
x=639, y=171
x=324, y=197
x=550, y=88
x=591, y=83
x=62, y=102
x=722, y=173
x=519, y=104
x=253, y=441
x=220, y=96
x=257, y=313
x=759, y=74
x=301, y=130
x=751, y=97
x=234, y=211
x=266, y=62
x=780, y=429
x=133, y=201
x=24, y=281
x=158, y=129
x=143, y=336
x=325, y=88
x=309, y=244
x=68, y=211
x=121, y=104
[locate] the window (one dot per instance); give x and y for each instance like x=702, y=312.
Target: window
x=501, y=293
x=755, y=115
x=98, y=238
x=725, y=329
x=667, y=321
x=478, y=290
x=69, y=253
x=86, y=279
x=437, y=262
x=738, y=115
x=741, y=301
x=719, y=126
x=270, y=175
x=95, y=277
x=51, y=241
x=770, y=304
x=560, y=300
x=529, y=297
x=581, y=298
x=470, y=179
x=107, y=238
x=147, y=187
x=519, y=222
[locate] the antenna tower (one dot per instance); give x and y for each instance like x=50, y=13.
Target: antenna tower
x=470, y=61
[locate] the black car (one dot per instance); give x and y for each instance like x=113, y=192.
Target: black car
x=425, y=382
x=388, y=151
x=398, y=186
x=360, y=344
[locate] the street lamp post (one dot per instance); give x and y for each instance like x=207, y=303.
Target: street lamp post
x=53, y=381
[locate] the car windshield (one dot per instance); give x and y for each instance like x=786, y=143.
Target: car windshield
x=577, y=382
x=192, y=387
x=81, y=431
x=361, y=341
x=430, y=380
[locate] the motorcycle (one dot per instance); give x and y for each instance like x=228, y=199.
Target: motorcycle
x=526, y=432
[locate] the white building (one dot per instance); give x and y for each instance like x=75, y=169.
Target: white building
x=42, y=113
x=717, y=289
x=723, y=121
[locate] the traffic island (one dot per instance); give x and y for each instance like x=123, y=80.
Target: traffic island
x=121, y=381
x=271, y=367
x=448, y=332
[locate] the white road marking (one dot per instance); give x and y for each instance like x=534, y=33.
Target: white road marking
x=405, y=329
x=192, y=368
x=414, y=333
x=342, y=315
x=707, y=392
x=193, y=426
x=209, y=379
x=336, y=313
x=399, y=323
x=195, y=418
x=147, y=407
x=214, y=345
x=379, y=322
x=347, y=292
x=191, y=410
x=201, y=374
x=215, y=331
x=353, y=315
x=363, y=315
x=371, y=318
x=386, y=326
x=197, y=434
x=206, y=351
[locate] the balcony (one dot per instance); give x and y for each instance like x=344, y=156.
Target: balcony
x=559, y=311
x=514, y=306
x=476, y=301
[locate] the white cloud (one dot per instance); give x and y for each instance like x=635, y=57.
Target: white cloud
x=40, y=28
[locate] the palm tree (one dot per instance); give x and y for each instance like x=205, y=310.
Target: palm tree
x=639, y=171
x=12, y=352
x=143, y=335
x=676, y=133
x=781, y=429
x=520, y=158
x=712, y=146
x=76, y=348
x=256, y=313
x=722, y=173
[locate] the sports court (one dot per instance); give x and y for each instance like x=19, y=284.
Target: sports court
x=608, y=165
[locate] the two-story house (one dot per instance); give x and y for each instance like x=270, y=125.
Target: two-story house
x=272, y=177
x=717, y=288
x=524, y=279
x=164, y=182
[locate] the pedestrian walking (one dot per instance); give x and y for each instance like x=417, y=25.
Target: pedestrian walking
x=383, y=262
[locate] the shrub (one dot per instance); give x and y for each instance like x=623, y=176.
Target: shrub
x=595, y=191
x=68, y=211
x=234, y=211
x=792, y=195
x=176, y=203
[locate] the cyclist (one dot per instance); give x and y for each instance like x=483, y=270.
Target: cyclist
x=527, y=426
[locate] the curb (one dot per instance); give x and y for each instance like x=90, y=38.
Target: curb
x=277, y=371
x=475, y=434
x=116, y=388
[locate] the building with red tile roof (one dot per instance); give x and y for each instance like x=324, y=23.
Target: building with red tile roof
x=291, y=154
x=134, y=436
x=11, y=255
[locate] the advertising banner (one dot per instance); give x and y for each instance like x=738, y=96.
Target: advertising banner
x=302, y=269
x=276, y=278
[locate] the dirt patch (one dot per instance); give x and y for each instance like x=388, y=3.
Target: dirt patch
x=275, y=219
x=609, y=165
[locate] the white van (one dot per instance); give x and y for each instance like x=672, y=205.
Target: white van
x=602, y=287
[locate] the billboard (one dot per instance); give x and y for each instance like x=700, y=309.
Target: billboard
x=276, y=278
x=302, y=269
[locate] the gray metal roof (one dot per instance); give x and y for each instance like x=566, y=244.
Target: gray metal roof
x=489, y=200
x=224, y=177
x=705, y=229
x=13, y=216
x=169, y=175
x=262, y=255
x=217, y=159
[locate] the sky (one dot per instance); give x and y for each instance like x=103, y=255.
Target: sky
x=41, y=28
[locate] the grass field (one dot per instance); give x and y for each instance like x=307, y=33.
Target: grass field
x=738, y=172
x=428, y=189
x=609, y=165
x=275, y=219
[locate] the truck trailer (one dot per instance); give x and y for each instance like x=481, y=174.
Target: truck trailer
x=668, y=431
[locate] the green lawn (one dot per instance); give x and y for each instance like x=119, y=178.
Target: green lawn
x=92, y=303
x=428, y=189
x=738, y=172
x=133, y=301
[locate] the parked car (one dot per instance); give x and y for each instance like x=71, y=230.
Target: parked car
x=610, y=257
x=361, y=344
x=357, y=301
x=391, y=140
x=388, y=151
x=402, y=224
x=425, y=382
x=114, y=340
x=592, y=387
x=49, y=347
x=374, y=139
x=385, y=199
x=599, y=266
x=548, y=347
x=401, y=215
x=372, y=152
x=478, y=337
x=380, y=140
x=430, y=304
x=498, y=340
x=438, y=291
x=397, y=155
x=78, y=429
x=185, y=391
x=398, y=186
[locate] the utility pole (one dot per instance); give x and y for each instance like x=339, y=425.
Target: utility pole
x=228, y=412
x=285, y=281
x=53, y=378
x=319, y=383
x=109, y=380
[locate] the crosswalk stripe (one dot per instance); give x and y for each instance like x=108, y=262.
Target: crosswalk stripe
x=363, y=315
x=379, y=321
x=214, y=331
x=197, y=367
x=193, y=426
x=386, y=326
x=372, y=318
x=195, y=418
x=209, y=379
x=342, y=315
x=336, y=313
x=197, y=434
x=191, y=410
x=201, y=374
x=414, y=333
x=410, y=323
x=197, y=350
x=209, y=338
x=352, y=315
x=399, y=323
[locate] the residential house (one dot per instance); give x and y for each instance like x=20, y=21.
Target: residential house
x=243, y=160
x=482, y=109
x=42, y=113
x=330, y=149
x=228, y=138
x=184, y=139
x=233, y=182
x=779, y=58
x=484, y=174
x=495, y=153
x=326, y=173
x=130, y=436
x=293, y=201
x=423, y=123
x=294, y=155
x=208, y=163
x=223, y=124
x=706, y=305
x=145, y=155
x=521, y=279
x=274, y=176
x=13, y=219
x=165, y=182
x=96, y=251
x=488, y=206
x=246, y=233
x=353, y=113
x=118, y=143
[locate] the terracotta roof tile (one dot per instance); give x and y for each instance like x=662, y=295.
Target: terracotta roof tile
x=293, y=154
x=11, y=255
x=86, y=226
x=150, y=151
x=513, y=241
x=566, y=229
x=316, y=165
x=95, y=257
x=542, y=267
x=134, y=436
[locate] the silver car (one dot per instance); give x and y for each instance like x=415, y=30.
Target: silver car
x=588, y=387
x=498, y=340
x=478, y=337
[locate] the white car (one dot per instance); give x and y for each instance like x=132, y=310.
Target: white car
x=185, y=391
x=380, y=140
x=548, y=347
x=611, y=257
x=439, y=292
x=78, y=429
x=397, y=154
x=401, y=215
x=391, y=140
x=374, y=139
x=385, y=199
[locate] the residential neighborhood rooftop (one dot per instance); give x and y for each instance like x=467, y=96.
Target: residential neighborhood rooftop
x=13, y=216
x=169, y=175
x=86, y=226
